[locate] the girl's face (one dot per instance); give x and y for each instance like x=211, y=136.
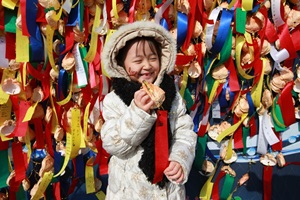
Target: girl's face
x=142, y=63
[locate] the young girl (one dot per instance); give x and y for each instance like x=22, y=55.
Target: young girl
x=138, y=52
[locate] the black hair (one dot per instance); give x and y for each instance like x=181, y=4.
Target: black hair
x=153, y=44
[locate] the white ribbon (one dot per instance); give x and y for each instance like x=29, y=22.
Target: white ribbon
x=210, y=27
x=276, y=15
x=67, y=6
x=278, y=56
x=79, y=68
x=161, y=11
x=3, y=60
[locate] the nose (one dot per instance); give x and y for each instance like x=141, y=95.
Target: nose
x=147, y=64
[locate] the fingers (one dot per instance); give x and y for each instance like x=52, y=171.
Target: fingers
x=174, y=172
x=143, y=100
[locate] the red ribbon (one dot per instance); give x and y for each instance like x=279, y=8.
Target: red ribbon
x=3, y=145
x=183, y=59
x=19, y=163
x=23, y=18
x=191, y=24
x=56, y=190
x=238, y=134
x=278, y=145
x=233, y=78
x=10, y=47
x=253, y=127
x=20, y=109
x=267, y=182
x=69, y=37
x=296, y=38
x=271, y=33
x=101, y=158
x=131, y=11
x=286, y=41
x=161, y=145
x=285, y=101
x=39, y=135
x=48, y=137
x=215, y=190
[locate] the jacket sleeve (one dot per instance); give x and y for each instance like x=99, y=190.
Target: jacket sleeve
x=184, y=140
x=124, y=127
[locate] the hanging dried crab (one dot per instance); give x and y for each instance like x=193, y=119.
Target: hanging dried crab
x=223, y=154
x=279, y=80
x=11, y=86
x=241, y=107
x=268, y=160
x=220, y=73
x=215, y=130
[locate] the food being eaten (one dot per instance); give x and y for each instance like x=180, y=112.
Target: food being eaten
x=155, y=93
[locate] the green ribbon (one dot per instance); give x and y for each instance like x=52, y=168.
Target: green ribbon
x=10, y=17
x=4, y=169
x=83, y=52
x=240, y=18
x=20, y=194
x=277, y=117
x=227, y=186
x=246, y=132
x=200, y=152
x=188, y=99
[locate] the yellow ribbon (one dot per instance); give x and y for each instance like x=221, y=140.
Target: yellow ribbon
x=85, y=136
x=100, y=195
x=231, y=4
x=49, y=43
x=5, y=115
x=67, y=154
x=10, y=4
x=229, y=149
x=54, y=118
x=231, y=129
x=247, y=5
x=28, y=144
x=256, y=92
x=94, y=37
x=206, y=190
x=30, y=112
x=115, y=10
x=67, y=99
x=75, y=132
x=22, y=44
x=213, y=91
x=46, y=179
x=5, y=75
x=184, y=81
x=240, y=40
x=89, y=176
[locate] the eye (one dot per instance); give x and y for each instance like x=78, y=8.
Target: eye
x=153, y=58
x=138, y=61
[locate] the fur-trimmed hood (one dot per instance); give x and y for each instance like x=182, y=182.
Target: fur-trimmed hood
x=138, y=29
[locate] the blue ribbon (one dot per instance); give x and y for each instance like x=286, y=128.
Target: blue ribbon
x=163, y=23
x=79, y=166
x=225, y=22
x=62, y=84
x=251, y=104
x=36, y=42
x=74, y=16
x=182, y=28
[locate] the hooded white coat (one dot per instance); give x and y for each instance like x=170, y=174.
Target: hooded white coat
x=126, y=127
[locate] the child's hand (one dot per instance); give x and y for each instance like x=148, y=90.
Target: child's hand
x=174, y=172
x=143, y=100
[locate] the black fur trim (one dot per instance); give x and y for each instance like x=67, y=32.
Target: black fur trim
x=125, y=90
